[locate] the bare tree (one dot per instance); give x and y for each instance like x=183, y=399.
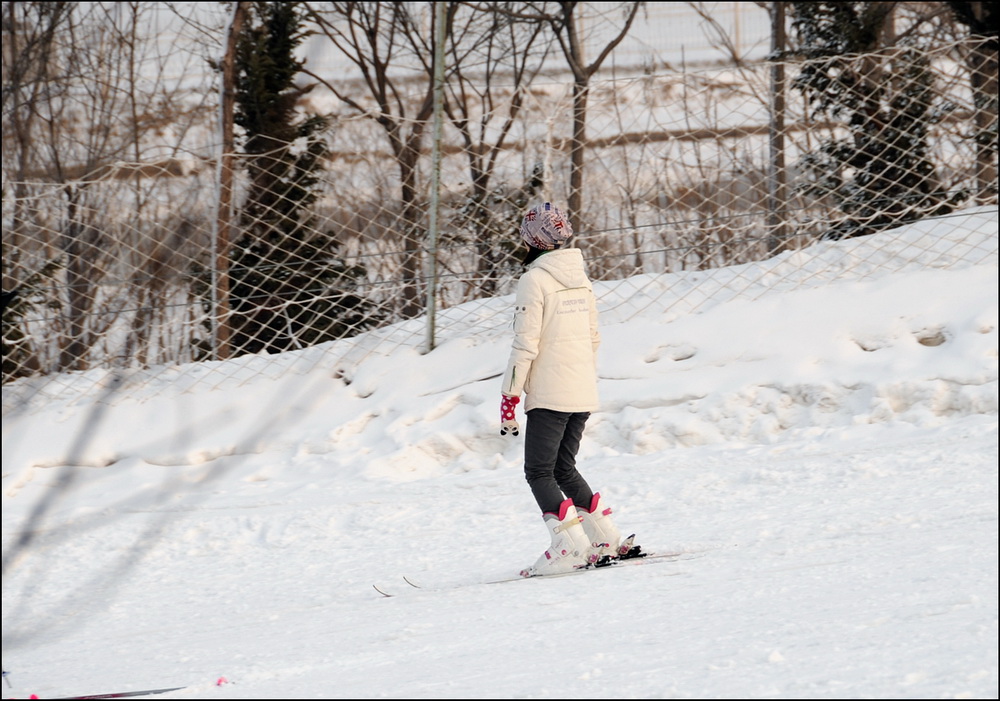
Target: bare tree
x=492, y=59
x=29, y=58
x=567, y=24
x=380, y=38
x=87, y=96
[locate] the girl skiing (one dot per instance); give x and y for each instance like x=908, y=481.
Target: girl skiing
x=553, y=363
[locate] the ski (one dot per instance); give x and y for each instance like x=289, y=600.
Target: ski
x=118, y=694
x=613, y=563
x=637, y=557
x=383, y=592
x=627, y=551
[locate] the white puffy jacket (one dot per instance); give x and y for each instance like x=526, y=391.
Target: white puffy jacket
x=553, y=358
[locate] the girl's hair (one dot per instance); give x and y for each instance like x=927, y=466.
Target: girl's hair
x=532, y=255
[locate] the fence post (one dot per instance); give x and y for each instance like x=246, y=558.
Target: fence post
x=440, y=26
x=777, y=186
x=224, y=218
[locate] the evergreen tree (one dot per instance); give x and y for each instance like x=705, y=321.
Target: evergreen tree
x=981, y=18
x=289, y=287
x=983, y=22
x=19, y=356
x=880, y=174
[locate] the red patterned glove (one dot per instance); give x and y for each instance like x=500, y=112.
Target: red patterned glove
x=508, y=422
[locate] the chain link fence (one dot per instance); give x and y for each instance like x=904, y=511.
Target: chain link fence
x=129, y=271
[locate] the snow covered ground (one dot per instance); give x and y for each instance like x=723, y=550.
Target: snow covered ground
x=825, y=454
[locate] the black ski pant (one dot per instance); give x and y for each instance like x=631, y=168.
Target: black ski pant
x=551, y=441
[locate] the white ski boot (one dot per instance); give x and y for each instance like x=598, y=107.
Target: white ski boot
x=569, y=543
x=602, y=533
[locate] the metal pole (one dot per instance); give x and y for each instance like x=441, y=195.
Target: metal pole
x=440, y=28
x=777, y=190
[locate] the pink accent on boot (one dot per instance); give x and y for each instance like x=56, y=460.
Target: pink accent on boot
x=563, y=508
x=593, y=505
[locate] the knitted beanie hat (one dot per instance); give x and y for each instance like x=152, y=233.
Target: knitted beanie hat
x=545, y=227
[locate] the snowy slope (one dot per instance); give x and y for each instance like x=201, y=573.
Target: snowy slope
x=826, y=445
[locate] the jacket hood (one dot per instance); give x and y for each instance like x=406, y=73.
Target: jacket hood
x=565, y=265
